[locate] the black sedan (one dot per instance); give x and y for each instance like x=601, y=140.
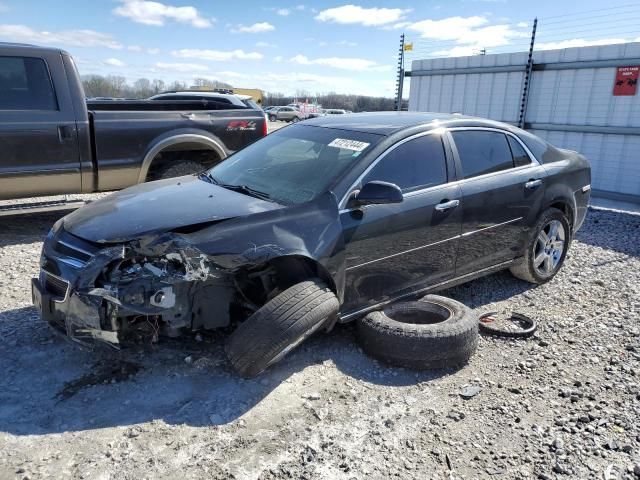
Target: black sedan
x=319, y=222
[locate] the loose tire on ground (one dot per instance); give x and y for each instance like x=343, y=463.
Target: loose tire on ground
x=281, y=325
x=180, y=168
x=526, y=269
x=433, y=332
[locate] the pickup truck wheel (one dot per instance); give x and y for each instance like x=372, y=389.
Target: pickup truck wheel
x=546, y=248
x=433, y=332
x=280, y=325
x=179, y=169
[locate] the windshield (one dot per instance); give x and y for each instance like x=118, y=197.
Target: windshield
x=295, y=164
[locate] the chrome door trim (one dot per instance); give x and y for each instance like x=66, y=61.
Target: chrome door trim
x=402, y=253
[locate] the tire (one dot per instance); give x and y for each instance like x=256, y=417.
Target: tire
x=295, y=120
x=527, y=269
x=272, y=118
x=280, y=325
x=179, y=169
x=447, y=337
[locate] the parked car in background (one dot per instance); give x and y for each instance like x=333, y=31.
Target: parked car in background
x=217, y=95
x=272, y=113
x=334, y=111
x=56, y=142
x=316, y=223
x=289, y=114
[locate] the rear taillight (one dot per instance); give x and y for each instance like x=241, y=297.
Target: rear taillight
x=265, y=127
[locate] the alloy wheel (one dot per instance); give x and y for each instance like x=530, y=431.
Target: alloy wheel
x=549, y=248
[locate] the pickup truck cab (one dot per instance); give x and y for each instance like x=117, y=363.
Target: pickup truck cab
x=54, y=141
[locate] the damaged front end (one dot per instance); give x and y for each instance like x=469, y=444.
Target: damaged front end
x=144, y=288
x=188, y=279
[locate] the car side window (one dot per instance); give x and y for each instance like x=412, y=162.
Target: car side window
x=416, y=164
x=482, y=152
x=25, y=84
x=520, y=157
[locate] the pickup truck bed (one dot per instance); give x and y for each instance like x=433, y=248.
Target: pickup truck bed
x=55, y=142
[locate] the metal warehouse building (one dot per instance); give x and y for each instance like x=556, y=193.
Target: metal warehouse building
x=581, y=98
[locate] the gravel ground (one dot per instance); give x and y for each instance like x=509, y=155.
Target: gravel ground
x=563, y=404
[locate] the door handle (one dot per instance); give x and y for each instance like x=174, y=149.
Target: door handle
x=533, y=184
x=65, y=133
x=444, y=206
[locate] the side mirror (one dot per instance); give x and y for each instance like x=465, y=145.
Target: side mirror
x=378, y=193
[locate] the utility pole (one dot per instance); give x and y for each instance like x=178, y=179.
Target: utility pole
x=526, y=85
x=400, y=78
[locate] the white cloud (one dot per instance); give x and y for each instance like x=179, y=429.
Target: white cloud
x=231, y=74
x=260, y=27
x=323, y=44
x=278, y=59
x=468, y=34
x=75, y=38
x=349, y=14
x=114, y=62
x=217, y=55
x=153, y=51
x=134, y=48
x=265, y=45
x=283, y=12
x=300, y=7
x=346, y=43
x=156, y=13
x=522, y=24
x=181, y=67
x=355, y=64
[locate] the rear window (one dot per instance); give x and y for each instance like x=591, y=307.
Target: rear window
x=25, y=84
x=520, y=157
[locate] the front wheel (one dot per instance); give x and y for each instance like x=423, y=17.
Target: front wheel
x=280, y=325
x=546, y=248
x=295, y=119
x=272, y=118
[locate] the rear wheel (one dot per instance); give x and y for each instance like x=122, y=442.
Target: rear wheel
x=546, y=248
x=180, y=168
x=280, y=325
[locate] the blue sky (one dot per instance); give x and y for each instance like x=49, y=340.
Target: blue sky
x=288, y=46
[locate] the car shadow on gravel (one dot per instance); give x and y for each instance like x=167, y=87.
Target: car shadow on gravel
x=611, y=230
x=27, y=228
x=50, y=385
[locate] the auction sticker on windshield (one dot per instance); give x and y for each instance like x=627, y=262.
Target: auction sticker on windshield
x=354, y=145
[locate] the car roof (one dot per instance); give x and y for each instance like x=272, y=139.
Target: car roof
x=387, y=123
x=28, y=46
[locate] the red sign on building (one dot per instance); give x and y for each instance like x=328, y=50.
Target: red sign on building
x=626, y=81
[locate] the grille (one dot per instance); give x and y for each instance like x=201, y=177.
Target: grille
x=54, y=285
x=73, y=251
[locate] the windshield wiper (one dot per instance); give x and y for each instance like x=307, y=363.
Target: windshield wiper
x=209, y=178
x=246, y=190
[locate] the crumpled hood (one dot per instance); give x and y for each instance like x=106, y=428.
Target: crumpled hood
x=159, y=206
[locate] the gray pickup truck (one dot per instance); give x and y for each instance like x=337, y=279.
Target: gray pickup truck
x=54, y=141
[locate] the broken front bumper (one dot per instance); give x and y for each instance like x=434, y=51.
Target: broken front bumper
x=68, y=313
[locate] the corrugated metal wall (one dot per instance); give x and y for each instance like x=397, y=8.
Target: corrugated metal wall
x=568, y=97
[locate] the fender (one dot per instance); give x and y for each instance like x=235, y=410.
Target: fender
x=175, y=137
